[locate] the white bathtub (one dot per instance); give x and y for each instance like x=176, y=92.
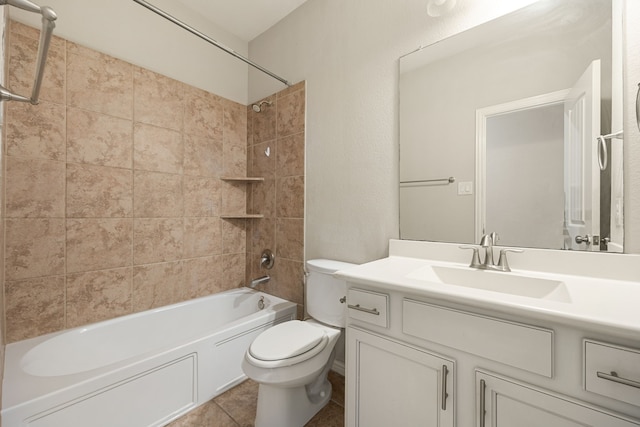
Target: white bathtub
x=145, y=369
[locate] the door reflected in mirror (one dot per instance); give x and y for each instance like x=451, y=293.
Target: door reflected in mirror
x=511, y=112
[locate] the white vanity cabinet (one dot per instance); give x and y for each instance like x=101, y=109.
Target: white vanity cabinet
x=414, y=361
x=555, y=342
x=394, y=384
x=417, y=391
x=612, y=371
x=504, y=402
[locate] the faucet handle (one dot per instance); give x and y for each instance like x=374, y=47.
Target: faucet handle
x=475, y=259
x=503, y=264
x=267, y=259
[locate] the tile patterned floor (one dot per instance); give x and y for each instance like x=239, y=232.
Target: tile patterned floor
x=237, y=408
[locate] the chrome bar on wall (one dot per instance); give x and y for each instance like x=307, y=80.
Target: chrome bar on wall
x=638, y=107
x=208, y=39
x=48, y=24
x=439, y=181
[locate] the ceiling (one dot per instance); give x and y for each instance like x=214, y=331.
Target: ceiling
x=244, y=18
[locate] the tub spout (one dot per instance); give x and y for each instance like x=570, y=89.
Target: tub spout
x=259, y=281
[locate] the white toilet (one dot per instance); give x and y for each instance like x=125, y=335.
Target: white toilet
x=290, y=361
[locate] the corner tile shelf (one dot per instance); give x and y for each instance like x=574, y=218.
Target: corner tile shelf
x=242, y=179
x=242, y=216
x=247, y=179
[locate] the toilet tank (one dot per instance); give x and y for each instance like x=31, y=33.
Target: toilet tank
x=323, y=292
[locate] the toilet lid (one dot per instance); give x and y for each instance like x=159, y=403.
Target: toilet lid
x=286, y=340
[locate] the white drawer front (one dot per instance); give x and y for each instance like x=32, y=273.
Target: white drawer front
x=515, y=344
x=612, y=371
x=370, y=307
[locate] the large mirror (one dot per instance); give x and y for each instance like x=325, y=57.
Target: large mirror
x=515, y=126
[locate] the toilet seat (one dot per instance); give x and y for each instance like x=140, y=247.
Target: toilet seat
x=287, y=344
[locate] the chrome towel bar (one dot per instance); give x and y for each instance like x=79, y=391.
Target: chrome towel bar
x=48, y=24
x=638, y=107
x=444, y=181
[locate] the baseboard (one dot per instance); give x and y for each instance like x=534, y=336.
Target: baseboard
x=338, y=367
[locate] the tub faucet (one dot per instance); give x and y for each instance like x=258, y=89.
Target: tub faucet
x=259, y=281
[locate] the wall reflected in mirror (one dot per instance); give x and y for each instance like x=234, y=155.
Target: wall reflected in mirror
x=511, y=112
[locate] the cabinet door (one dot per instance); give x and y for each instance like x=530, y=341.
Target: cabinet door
x=502, y=402
x=394, y=384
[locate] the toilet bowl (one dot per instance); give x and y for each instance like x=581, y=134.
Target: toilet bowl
x=290, y=361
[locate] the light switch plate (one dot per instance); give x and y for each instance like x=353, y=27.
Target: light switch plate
x=465, y=188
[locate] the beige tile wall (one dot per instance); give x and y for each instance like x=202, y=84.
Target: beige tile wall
x=113, y=196
x=280, y=128
x=3, y=50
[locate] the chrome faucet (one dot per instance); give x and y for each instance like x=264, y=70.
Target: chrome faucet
x=487, y=242
x=259, y=281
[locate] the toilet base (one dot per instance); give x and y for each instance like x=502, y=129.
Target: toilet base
x=288, y=407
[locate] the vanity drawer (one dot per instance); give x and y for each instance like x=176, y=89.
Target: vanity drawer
x=612, y=371
x=367, y=306
x=515, y=344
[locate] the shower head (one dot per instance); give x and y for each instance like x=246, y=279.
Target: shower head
x=258, y=107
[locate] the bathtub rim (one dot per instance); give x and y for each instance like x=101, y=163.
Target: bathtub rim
x=77, y=333
x=20, y=388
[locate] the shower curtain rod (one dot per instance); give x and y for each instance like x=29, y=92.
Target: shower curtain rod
x=209, y=39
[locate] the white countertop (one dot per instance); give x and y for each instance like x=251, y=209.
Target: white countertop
x=603, y=304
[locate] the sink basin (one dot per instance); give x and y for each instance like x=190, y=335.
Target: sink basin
x=505, y=283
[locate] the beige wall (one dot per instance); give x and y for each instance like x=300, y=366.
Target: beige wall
x=3, y=48
x=347, y=51
x=113, y=191
x=278, y=128
x=113, y=196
